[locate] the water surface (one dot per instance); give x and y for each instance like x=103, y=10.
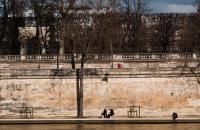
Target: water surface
x=104, y=127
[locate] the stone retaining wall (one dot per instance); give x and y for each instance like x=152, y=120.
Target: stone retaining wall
x=56, y=98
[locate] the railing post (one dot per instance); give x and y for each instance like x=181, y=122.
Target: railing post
x=23, y=50
x=22, y=57
x=39, y=60
x=96, y=56
x=195, y=56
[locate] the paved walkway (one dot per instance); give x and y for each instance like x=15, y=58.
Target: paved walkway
x=100, y=121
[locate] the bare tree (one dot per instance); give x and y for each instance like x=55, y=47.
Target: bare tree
x=197, y=5
x=190, y=34
x=67, y=11
x=135, y=25
x=85, y=37
x=163, y=32
x=79, y=33
x=11, y=12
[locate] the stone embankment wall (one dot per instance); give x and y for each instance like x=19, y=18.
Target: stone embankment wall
x=160, y=87
x=56, y=97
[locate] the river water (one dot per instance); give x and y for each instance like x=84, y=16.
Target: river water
x=104, y=127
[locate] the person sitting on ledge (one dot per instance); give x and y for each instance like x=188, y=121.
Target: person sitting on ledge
x=104, y=113
x=174, y=116
x=111, y=113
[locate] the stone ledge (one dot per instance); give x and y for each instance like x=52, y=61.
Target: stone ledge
x=100, y=121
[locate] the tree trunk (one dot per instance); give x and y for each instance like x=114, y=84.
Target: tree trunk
x=79, y=89
x=73, y=54
x=81, y=93
x=73, y=61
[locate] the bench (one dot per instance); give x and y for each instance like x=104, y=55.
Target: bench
x=26, y=112
x=134, y=111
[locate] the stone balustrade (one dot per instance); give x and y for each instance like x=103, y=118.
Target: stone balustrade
x=103, y=57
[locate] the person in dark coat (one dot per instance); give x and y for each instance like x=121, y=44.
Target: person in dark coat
x=174, y=116
x=104, y=113
x=111, y=113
